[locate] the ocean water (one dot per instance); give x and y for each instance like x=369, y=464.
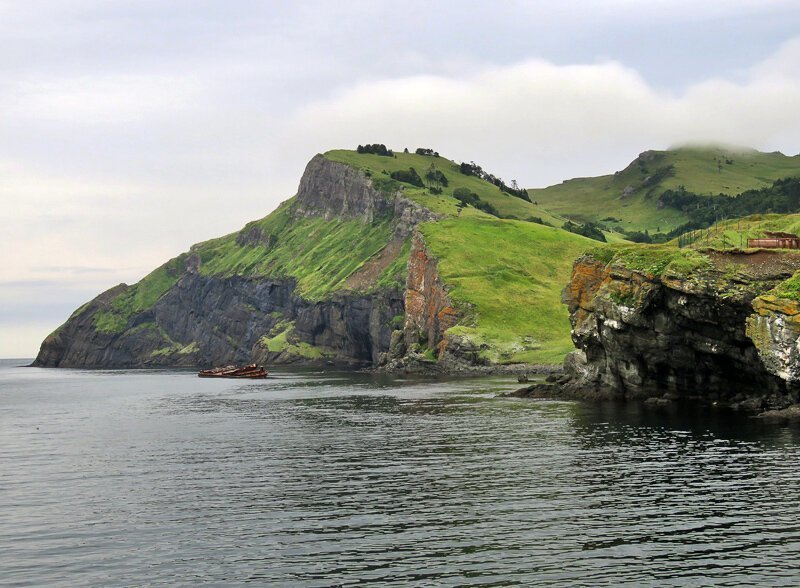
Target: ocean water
x=134, y=478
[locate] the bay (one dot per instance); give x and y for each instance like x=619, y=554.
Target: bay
x=131, y=478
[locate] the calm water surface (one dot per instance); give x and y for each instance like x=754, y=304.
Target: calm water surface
x=323, y=479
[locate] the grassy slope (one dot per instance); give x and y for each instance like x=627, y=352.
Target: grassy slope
x=320, y=254
x=734, y=233
x=507, y=277
x=656, y=260
x=140, y=296
x=695, y=168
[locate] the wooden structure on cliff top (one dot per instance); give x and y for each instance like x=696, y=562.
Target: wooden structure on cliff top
x=776, y=240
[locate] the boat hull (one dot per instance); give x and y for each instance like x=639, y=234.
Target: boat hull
x=252, y=372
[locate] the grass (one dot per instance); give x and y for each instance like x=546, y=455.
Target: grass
x=506, y=279
x=695, y=168
x=394, y=276
x=375, y=165
x=278, y=341
x=319, y=254
x=789, y=289
x=654, y=260
x=734, y=233
x=139, y=297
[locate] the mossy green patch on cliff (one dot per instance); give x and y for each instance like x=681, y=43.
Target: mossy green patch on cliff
x=506, y=279
x=378, y=168
x=789, y=289
x=279, y=340
x=654, y=260
x=140, y=296
x=319, y=254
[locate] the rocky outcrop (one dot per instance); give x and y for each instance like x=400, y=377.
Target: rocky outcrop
x=424, y=344
x=774, y=328
x=711, y=332
x=429, y=310
x=336, y=190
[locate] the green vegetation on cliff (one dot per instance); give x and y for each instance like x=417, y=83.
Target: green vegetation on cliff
x=654, y=260
x=506, y=279
x=319, y=253
x=139, y=297
x=380, y=168
x=628, y=199
x=789, y=289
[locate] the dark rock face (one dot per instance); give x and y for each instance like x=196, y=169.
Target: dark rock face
x=337, y=190
x=670, y=337
x=77, y=343
x=210, y=321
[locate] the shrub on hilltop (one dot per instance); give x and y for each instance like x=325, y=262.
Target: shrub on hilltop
x=375, y=149
x=409, y=176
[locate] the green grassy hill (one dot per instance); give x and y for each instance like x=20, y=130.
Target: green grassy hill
x=627, y=200
x=506, y=279
x=506, y=275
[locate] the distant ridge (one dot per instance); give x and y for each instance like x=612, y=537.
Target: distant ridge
x=628, y=199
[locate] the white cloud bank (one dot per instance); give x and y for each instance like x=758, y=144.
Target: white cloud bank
x=541, y=123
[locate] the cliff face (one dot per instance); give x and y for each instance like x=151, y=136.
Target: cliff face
x=337, y=190
x=774, y=328
x=330, y=189
x=210, y=319
x=709, y=332
x=429, y=311
x=356, y=269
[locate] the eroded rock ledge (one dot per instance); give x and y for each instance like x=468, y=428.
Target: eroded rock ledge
x=666, y=324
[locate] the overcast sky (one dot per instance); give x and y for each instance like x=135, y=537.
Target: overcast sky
x=131, y=129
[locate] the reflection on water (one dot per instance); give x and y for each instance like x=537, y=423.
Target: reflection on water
x=314, y=479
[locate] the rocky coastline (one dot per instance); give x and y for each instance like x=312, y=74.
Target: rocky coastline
x=715, y=327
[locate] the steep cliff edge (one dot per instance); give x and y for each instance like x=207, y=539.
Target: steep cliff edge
x=668, y=323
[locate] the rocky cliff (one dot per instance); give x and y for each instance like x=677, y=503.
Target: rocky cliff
x=216, y=317
x=671, y=324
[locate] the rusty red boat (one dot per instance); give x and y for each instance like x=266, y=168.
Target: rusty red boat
x=252, y=371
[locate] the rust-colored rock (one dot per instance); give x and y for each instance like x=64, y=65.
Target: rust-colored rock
x=429, y=311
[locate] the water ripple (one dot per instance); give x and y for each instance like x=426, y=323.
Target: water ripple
x=313, y=479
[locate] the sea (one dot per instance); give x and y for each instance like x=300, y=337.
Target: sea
x=322, y=478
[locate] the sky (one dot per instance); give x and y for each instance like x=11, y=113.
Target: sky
x=131, y=129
